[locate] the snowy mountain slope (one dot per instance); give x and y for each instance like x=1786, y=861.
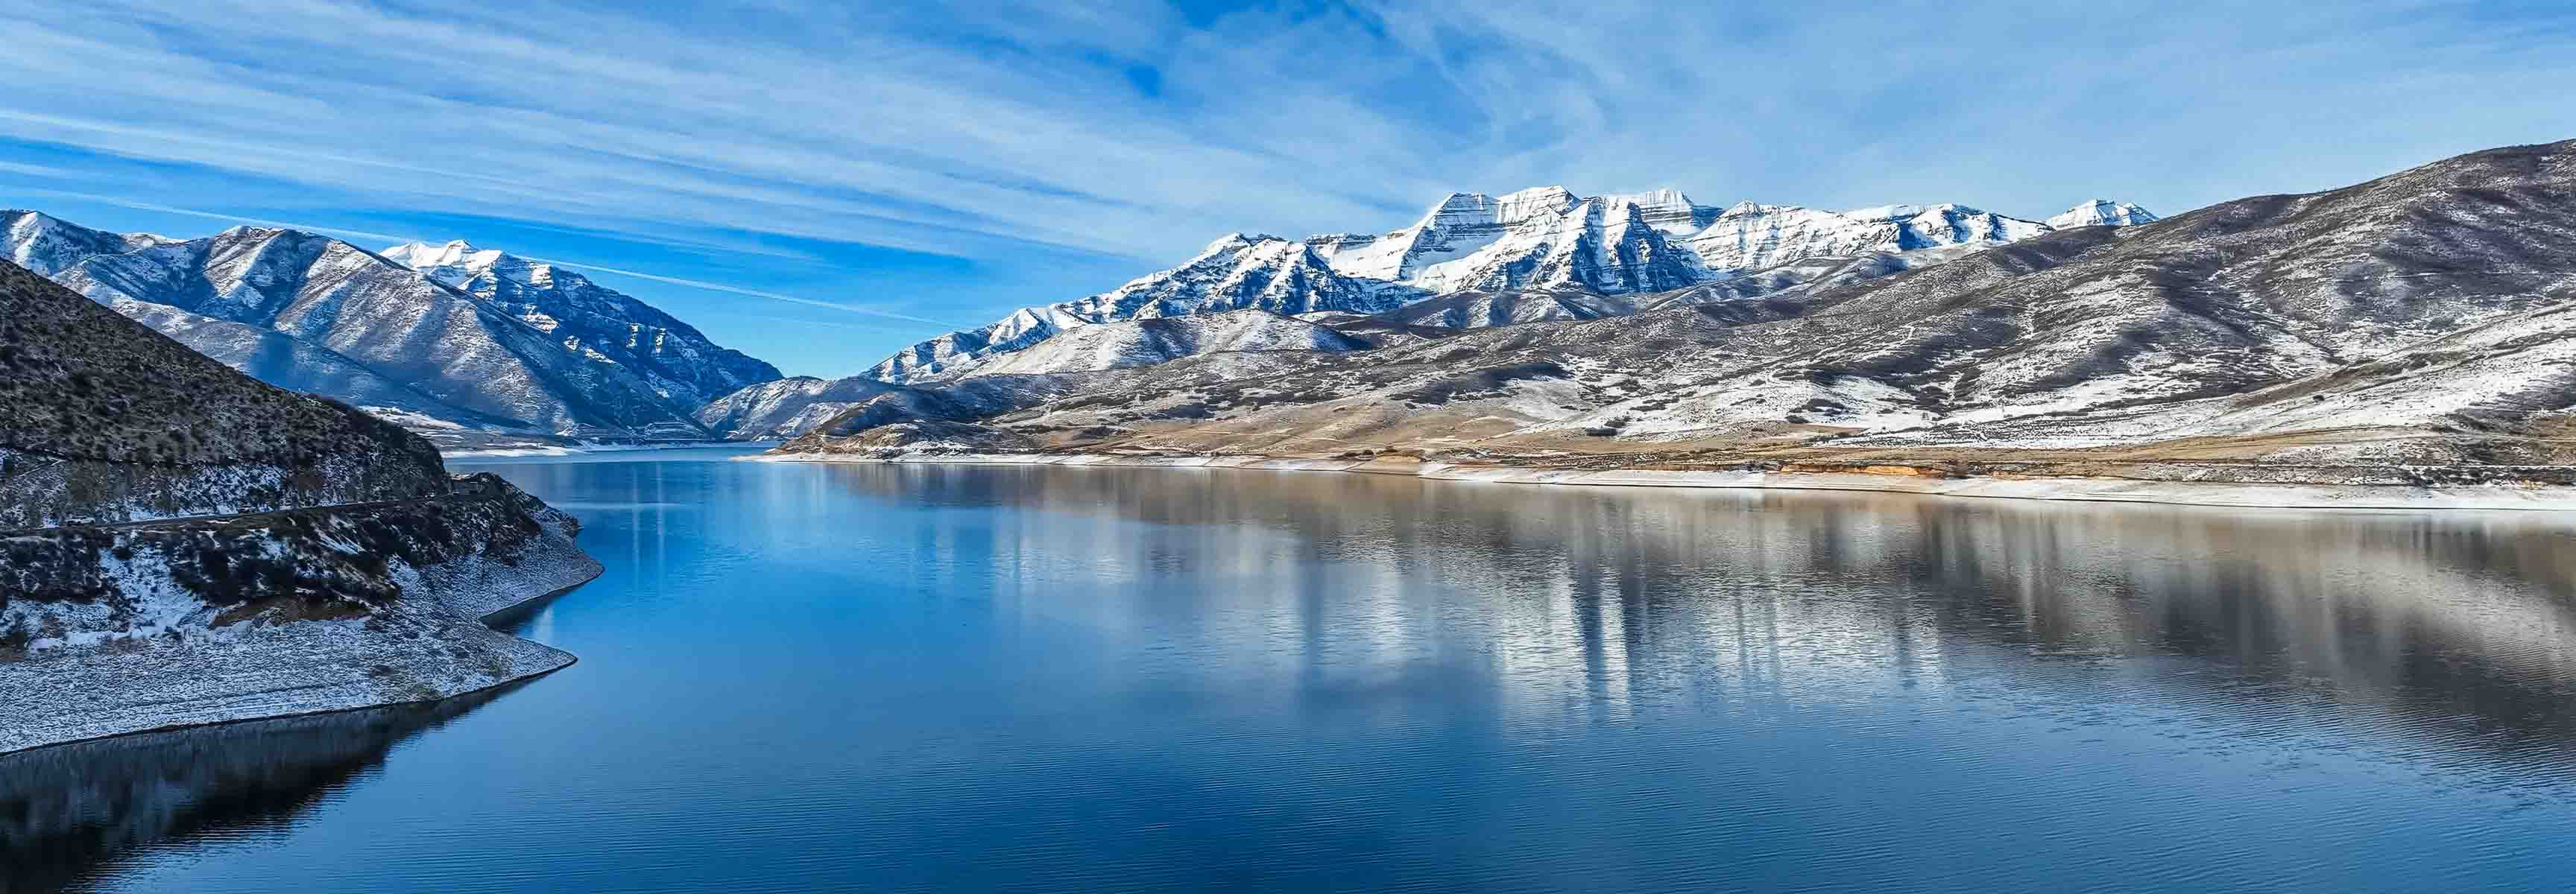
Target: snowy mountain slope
x=785, y=408
x=2430, y=306
x=933, y=358
x=1454, y=228
x=1155, y=340
x=46, y=244
x=1597, y=245
x=299, y=365
x=1544, y=239
x=398, y=322
x=2101, y=212
x=1474, y=309
x=1236, y=272
x=312, y=313
x=1750, y=237
x=678, y=362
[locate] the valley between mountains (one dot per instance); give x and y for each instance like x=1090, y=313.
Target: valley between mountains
x=2411, y=331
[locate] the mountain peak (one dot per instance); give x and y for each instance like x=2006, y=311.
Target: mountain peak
x=1227, y=242
x=1653, y=198
x=453, y=261
x=2101, y=212
x=1750, y=208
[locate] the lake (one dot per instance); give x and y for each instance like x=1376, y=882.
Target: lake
x=939, y=678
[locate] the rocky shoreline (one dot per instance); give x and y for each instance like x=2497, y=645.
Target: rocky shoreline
x=182, y=545
x=2244, y=486
x=165, y=646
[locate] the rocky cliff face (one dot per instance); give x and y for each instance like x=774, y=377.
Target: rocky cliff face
x=2423, y=319
x=185, y=544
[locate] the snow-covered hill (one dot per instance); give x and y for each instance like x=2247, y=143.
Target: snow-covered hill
x=589, y=319
x=1145, y=342
x=785, y=408
x=539, y=352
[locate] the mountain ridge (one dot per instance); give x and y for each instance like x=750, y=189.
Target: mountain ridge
x=1546, y=238
x=2426, y=319
x=542, y=353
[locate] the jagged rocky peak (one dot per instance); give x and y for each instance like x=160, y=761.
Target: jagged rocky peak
x=452, y=262
x=1458, y=223
x=1544, y=237
x=1751, y=236
x=1667, y=209
x=1234, y=272
x=458, y=263
x=2101, y=212
x=1537, y=203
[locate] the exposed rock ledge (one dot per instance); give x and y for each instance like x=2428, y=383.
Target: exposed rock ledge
x=120, y=629
x=2258, y=486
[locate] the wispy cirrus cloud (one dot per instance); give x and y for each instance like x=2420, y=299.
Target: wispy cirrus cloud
x=934, y=130
x=1136, y=131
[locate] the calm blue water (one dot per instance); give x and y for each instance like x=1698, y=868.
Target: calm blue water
x=800, y=677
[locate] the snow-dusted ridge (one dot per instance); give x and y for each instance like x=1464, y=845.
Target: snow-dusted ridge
x=477, y=344
x=1542, y=238
x=2418, y=330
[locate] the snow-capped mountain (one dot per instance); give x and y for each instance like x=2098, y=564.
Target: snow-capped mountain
x=785, y=408
x=1149, y=341
x=2101, y=212
x=1235, y=272
x=592, y=320
x=1751, y=237
x=46, y=244
x=2424, y=319
x=1454, y=228
x=1545, y=239
x=312, y=313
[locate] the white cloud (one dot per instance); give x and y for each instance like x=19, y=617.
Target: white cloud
x=952, y=131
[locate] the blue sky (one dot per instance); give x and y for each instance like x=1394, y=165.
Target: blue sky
x=818, y=184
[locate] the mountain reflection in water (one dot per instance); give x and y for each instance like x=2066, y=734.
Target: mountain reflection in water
x=802, y=677
x=2459, y=622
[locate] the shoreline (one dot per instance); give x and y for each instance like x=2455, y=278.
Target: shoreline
x=2065, y=489
x=532, y=660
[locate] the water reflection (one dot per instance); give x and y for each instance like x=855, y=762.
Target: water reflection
x=68, y=811
x=802, y=677
x=2456, y=624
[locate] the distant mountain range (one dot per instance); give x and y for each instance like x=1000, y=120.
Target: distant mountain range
x=471, y=346
x=1471, y=261
x=1545, y=239
x=2427, y=318
x=460, y=344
